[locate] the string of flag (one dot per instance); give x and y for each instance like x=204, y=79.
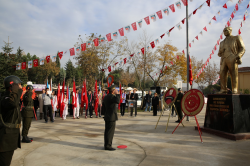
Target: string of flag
x=221, y=36
x=216, y=80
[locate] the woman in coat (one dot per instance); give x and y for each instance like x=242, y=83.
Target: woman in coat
x=155, y=103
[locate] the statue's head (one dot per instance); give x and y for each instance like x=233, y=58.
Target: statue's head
x=227, y=31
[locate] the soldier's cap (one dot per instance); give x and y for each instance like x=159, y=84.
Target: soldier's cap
x=179, y=89
x=111, y=87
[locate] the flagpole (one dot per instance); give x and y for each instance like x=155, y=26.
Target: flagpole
x=187, y=51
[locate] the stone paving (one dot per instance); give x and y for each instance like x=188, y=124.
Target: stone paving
x=74, y=142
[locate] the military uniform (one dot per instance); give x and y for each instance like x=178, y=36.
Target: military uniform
x=27, y=114
x=10, y=124
x=110, y=118
x=178, y=105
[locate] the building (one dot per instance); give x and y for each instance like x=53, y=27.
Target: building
x=244, y=78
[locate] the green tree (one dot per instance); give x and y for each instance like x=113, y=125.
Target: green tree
x=70, y=72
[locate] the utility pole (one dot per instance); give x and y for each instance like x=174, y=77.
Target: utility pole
x=187, y=51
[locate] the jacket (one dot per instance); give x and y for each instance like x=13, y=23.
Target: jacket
x=110, y=102
x=135, y=95
x=28, y=110
x=10, y=111
x=148, y=98
x=47, y=99
x=155, y=100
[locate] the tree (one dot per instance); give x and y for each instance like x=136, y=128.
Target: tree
x=70, y=73
x=127, y=78
x=211, y=72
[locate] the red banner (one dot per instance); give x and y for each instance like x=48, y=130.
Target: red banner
x=184, y=2
x=72, y=51
x=35, y=62
x=108, y=37
x=83, y=46
x=121, y=31
x=147, y=20
x=152, y=44
x=96, y=42
x=172, y=8
x=23, y=65
x=60, y=54
x=48, y=58
x=159, y=14
x=142, y=50
x=134, y=26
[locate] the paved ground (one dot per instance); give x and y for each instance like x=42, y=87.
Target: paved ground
x=80, y=142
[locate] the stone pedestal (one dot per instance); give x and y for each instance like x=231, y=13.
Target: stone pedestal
x=228, y=113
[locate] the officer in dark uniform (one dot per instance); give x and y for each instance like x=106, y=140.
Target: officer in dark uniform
x=178, y=105
x=10, y=119
x=27, y=113
x=110, y=102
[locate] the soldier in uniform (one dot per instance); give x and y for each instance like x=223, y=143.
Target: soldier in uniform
x=178, y=105
x=27, y=113
x=111, y=117
x=10, y=119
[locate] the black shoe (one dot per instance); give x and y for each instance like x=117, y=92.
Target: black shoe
x=110, y=149
x=46, y=121
x=30, y=138
x=52, y=121
x=26, y=140
x=177, y=121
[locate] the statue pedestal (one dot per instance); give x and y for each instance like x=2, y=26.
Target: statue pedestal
x=228, y=113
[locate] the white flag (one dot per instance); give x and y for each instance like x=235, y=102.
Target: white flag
x=18, y=66
x=29, y=64
x=178, y=4
x=54, y=58
x=42, y=61
x=179, y=26
x=78, y=50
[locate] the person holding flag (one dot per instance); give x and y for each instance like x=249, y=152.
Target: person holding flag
x=65, y=107
x=100, y=102
x=77, y=105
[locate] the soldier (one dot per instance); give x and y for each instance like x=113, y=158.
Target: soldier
x=27, y=113
x=110, y=118
x=10, y=119
x=178, y=105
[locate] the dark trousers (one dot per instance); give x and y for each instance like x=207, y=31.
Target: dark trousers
x=70, y=109
x=179, y=112
x=109, y=134
x=26, y=126
x=155, y=110
x=6, y=157
x=135, y=107
x=90, y=109
x=45, y=109
x=103, y=111
x=100, y=109
x=122, y=108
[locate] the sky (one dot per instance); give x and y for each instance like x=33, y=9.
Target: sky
x=46, y=27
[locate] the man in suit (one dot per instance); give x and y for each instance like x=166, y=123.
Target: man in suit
x=134, y=96
x=110, y=101
x=178, y=105
x=231, y=50
x=148, y=101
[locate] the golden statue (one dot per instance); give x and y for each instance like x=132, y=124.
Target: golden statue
x=231, y=50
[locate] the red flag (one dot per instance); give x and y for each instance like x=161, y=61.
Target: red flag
x=225, y=5
x=147, y=20
x=96, y=42
x=184, y=2
x=162, y=35
x=183, y=51
x=172, y=8
x=172, y=63
x=72, y=51
x=247, y=6
x=62, y=99
x=228, y=23
x=232, y=15
x=212, y=51
x=58, y=97
x=125, y=60
x=96, y=99
x=190, y=72
x=152, y=44
x=159, y=13
x=134, y=26
x=108, y=36
x=183, y=21
x=130, y=56
x=23, y=65
x=214, y=18
x=218, y=42
x=171, y=29
x=189, y=44
x=166, y=67
x=221, y=36
x=239, y=32
x=210, y=56
x=47, y=58
x=60, y=54
x=86, y=98
x=82, y=96
x=142, y=50
x=208, y=3
x=241, y=24
x=67, y=92
x=236, y=7
x=197, y=37
x=215, y=48
x=121, y=31
x=194, y=12
x=244, y=17
x=35, y=62
x=205, y=28
x=83, y=46
x=109, y=68
x=177, y=57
